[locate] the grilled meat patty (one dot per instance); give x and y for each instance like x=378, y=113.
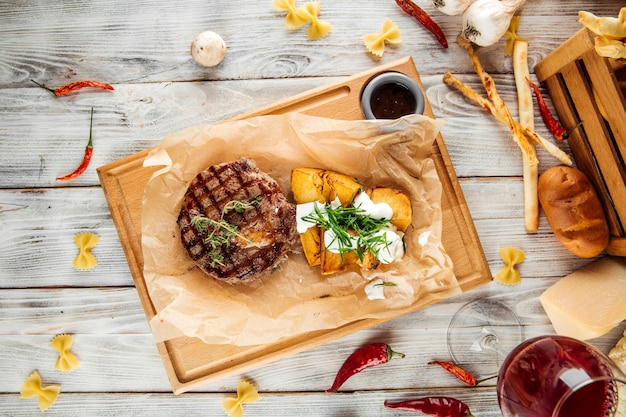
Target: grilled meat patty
x=257, y=225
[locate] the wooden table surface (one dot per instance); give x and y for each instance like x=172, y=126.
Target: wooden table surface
x=142, y=48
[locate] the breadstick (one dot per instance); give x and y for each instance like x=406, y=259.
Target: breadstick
x=500, y=106
x=526, y=119
x=529, y=134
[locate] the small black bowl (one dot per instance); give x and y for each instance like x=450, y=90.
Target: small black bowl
x=391, y=95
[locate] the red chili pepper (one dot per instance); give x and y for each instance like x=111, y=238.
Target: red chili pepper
x=434, y=406
x=551, y=122
x=418, y=13
x=364, y=357
x=85, y=162
x=76, y=85
x=457, y=371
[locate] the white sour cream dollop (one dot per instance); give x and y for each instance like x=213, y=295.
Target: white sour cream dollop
x=375, y=290
x=391, y=247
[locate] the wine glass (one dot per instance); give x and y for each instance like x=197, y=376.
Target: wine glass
x=481, y=334
x=558, y=376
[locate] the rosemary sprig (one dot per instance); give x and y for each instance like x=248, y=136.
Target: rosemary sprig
x=352, y=228
x=221, y=231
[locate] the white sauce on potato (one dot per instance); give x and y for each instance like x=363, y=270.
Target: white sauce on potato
x=391, y=247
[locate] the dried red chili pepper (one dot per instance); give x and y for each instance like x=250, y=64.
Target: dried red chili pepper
x=551, y=122
x=364, y=357
x=76, y=85
x=85, y=162
x=457, y=371
x=434, y=406
x=420, y=14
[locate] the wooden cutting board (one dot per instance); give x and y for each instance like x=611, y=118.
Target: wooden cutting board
x=190, y=362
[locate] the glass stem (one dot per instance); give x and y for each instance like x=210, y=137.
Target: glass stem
x=488, y=340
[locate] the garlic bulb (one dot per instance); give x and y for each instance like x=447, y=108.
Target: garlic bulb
x=451, y=7
x=485, y=21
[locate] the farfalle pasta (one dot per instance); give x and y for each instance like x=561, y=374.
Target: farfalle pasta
x=246, y=393
x=508, y=274
x=85, y=242
x=375, y=42
x=512, y=36
x=32, y=387
x=294, y=19
x=66, y=361
x=318, y=28
x=299, y=16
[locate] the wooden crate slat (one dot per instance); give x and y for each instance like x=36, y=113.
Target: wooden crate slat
x=597, y=136
x=581, y=150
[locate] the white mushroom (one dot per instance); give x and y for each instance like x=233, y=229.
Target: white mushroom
x=208, y=49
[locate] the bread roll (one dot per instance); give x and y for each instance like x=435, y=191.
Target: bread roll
x=573, y=210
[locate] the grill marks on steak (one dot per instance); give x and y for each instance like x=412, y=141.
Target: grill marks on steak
x=266, y=232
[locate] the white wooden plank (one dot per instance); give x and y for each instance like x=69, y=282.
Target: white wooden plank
x=50, y=311
x=45, y=136
x=150, y=42
x=37, y=248
x=364, y=404
x=71, y=310
x=40, y=250
x=130, y=363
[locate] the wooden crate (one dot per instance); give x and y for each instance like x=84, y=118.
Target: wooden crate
x=584, y=87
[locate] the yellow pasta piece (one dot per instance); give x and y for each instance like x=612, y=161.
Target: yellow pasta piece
x=508, y=274
x=512, y=36
x=85, y=259
x=66, y=360
x=295, y=18
x=318, y=28
x=46, y=395
x=246, y=393
x=610, y=27
x=610, y=48
x=375, y=42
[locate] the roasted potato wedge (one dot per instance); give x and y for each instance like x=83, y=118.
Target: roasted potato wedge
x=311, y=184
x=332, y=262
x=369, y=261
x=307, y=185
x=399, y=203
x=312, y=245
x=339, y=185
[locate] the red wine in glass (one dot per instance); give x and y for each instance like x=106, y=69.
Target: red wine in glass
x=557, y=376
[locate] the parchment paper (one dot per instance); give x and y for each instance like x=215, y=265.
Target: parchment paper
x=296, y=298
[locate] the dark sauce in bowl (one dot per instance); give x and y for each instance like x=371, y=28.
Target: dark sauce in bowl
x=391, y=101
x=391, y=95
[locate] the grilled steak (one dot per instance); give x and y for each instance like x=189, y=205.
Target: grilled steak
x=257, y=225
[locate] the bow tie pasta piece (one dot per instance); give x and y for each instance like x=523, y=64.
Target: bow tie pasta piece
x=508, y=274
x=295, y=18
x=375, y=42
x=246, y=393
x=46, y=395
x=318, y=28
x=512, y=36
x=66, y=360
x=85, y=259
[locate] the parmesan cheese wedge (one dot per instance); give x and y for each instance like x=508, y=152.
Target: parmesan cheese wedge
x=589, y=302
